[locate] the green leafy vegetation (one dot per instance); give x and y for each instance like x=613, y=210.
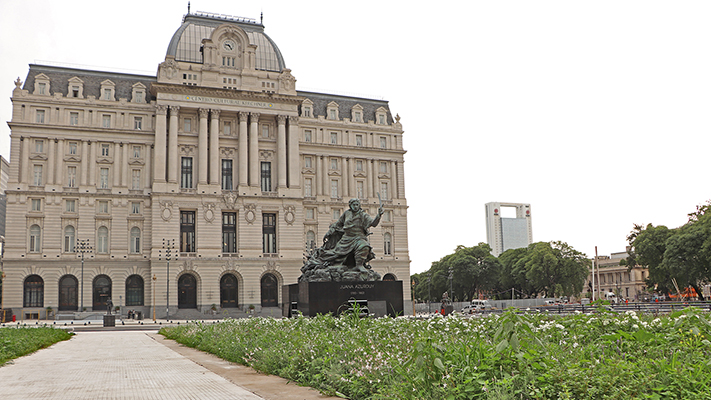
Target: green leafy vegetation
x=17, y=342
x=509, y=356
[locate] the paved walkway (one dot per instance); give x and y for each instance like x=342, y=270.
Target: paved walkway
x=136, y=365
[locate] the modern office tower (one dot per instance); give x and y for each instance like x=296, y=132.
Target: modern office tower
x=508, y=233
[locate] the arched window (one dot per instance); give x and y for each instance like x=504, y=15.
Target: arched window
x=187, y=291
x=34, y=291
x=387, y=244
x=228, y=291
x=269, y=291
x=134, y=291
x=102, y=240
x=101, y=292
x=310, y=240
x=69, y=239
x=35, y=237
x=135, y=240
x=389, y=277
x=68, y=299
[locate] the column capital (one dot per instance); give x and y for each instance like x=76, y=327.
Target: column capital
x=255, y=116
x=203, y=112
x=161, y=109
x=293, y=119
x=281, y=119
x=174, y=109
x=215, y=113
x=243, y=116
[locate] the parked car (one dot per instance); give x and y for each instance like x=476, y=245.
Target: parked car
x=550, y=302
x=481, y=305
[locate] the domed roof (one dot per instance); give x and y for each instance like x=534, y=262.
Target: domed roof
x=186, y=42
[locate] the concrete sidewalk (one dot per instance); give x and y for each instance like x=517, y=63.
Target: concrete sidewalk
x=136, y=365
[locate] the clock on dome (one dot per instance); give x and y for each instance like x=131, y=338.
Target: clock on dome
x=228, y=45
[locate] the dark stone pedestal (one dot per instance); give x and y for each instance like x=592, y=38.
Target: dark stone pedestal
x=313, y=298
x=109, y=320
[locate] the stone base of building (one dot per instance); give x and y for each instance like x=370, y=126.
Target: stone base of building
x=313, y=298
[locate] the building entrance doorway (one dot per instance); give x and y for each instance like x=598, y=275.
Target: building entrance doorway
x=228, y=291
x=187, y=292
x=269, y=291
x=101, y=292
x=68, y=299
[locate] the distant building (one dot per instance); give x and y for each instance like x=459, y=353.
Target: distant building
x=508, y=233
x=615, y=278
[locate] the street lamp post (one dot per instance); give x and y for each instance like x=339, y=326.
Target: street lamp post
x=451, y=275
x=154, y=297
x=168, y=249
x=429, y=292
x=83, y=247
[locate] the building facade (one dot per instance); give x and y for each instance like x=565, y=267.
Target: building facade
x=624, y=283
x=508, y=233
x=201, y=187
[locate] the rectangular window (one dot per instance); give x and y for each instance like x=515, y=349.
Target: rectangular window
x=104, y=178
x=384, y=190
x=136, y=151
x=186, y=173
x=307, y=136
x=135, y=207
x=75, y=91
x=334, y=188
x=72, y=148
x=334, y=163
x=356, y=116
x=383, y=167
x=36, y=204
x=226, y=174
x=42, y=88
x=381, y=119
x=39, y=146
x=331, y=114
x=387, y=216
x=187, y=231
x=136, y=179
x=336, y=213
x=229, y=232
x=138, y=123
x=107, y=94
x=383, y=142
x=359, y=165
x=269, y=233
x=359, y=140
x=39, y=116
x=105, y=149
x=70, y=206
x=308, y=184
x=106, y=121
x=307, y=112
x=266, y=176
x=360, y=189
x=307, y=162
x=37, y=178
x=103, y=207
x=310, y=213
x=71, y=176
x=73, y=118
x=187, y=125
x=334, y=138
x=265, y=131
x=227, y=129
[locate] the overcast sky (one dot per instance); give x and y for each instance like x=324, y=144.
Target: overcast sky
x=595, y=113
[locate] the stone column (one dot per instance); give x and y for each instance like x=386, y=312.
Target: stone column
x=371, y=181
x=202, y=147
x=25, y=161
x=319, y=175
x=50, y=162
x=173, y=161
x=281, y=151
x=325, y=177
x=117, y=164
x=85, y=162
x=149, y=159
x=160, y=144
x=254, y=150
x=346, y=180
x=243, y=174
x=393, y=180
x=125, y=179
x=92, y=164
x=214, y=147
x=294, y=180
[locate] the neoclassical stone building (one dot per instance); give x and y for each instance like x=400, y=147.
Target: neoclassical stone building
x=218, y=156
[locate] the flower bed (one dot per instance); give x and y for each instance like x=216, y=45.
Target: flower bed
x=517, y=356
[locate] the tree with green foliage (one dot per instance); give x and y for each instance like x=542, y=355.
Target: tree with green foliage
x=556, y=269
